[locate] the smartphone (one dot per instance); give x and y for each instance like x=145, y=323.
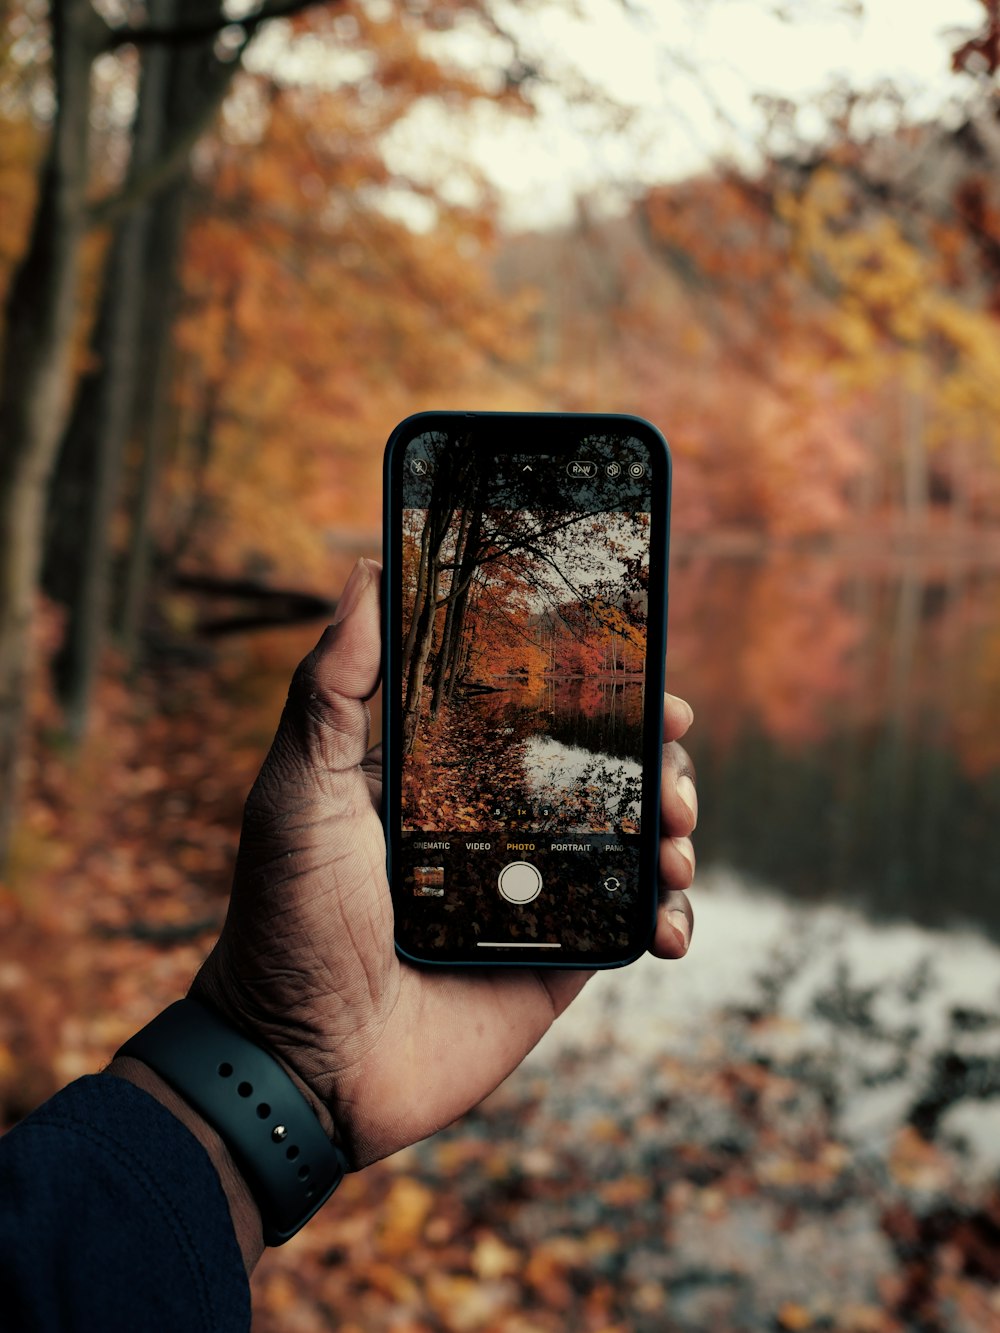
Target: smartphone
x=525, y=599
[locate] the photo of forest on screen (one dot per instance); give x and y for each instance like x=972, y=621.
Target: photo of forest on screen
x=523, y=654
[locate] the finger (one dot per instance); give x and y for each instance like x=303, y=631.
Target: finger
x=677, y=862
x=677, y=717
x=674, y=926
x=678, y=795
x=325, y=722
x=348, y=657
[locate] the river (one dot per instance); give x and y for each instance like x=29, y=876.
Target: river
x=847, y=918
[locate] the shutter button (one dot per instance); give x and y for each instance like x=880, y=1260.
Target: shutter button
x=519, y=882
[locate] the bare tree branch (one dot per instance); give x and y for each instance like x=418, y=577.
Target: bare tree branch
x=184, y=34
x=171, y=162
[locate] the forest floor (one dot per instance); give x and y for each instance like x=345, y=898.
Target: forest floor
x=703, y=1187
x=459, y=771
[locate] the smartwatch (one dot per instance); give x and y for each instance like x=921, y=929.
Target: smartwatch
x=289, y=1164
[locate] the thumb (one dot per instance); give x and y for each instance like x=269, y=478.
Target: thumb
x=324, y=726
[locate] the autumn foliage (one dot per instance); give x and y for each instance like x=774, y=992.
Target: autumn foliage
x=819, y=338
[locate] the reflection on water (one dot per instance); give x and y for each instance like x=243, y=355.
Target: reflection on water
x=596, y=713
x=551, y=766
x=848, y=730
x=577, y=743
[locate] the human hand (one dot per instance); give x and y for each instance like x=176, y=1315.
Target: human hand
x=306, y=966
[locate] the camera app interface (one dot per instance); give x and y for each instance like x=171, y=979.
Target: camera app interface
x=525, y=584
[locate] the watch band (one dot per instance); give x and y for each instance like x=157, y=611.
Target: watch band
x=289, y=1164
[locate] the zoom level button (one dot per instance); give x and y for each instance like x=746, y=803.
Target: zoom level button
x=519, y=882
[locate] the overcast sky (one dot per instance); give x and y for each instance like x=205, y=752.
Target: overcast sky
x=691, y=69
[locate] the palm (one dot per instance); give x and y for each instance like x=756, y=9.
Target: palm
x=449, y=1038
x=395, y=1052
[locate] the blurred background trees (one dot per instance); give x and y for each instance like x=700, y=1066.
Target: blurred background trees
x=238, y=242
x=219, y=293
x=104, y=143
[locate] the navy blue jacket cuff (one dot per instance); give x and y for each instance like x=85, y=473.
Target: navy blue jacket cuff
x=112, y=1217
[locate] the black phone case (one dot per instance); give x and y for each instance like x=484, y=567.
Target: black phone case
x=655, y=668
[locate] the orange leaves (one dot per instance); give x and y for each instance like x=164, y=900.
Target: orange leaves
x=314, y=317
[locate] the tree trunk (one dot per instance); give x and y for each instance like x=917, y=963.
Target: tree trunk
x=89, y=483
x=155, y=418
x=914, y=449
x=439, y=517
x=445, y=659
x=459, y=652
x=36, y=373
x=470, y=560
x=418, y=664
x=419, y=597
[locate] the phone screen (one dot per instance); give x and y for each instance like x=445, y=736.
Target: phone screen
x=525, y=621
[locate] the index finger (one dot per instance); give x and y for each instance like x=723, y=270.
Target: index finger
x=677, y=717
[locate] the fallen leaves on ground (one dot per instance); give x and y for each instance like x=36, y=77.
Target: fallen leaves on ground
x=695, y=1189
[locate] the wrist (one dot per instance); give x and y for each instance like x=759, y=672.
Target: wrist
x=284, y=1155
x=242, y=1209
x=208, y=992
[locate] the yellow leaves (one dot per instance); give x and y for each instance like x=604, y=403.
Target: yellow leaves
x=794, y=1317
x=625, y=1191
x=798, y=1170
x=606, y=1129
x=547, y=1267
x=407, y=1206
x=854, y=331
x=613, y=620
x=918, y=1164
x=852, y=1317
x=464, y=1304
x=392, y=1283
x=20, y=145
x=491, y=1258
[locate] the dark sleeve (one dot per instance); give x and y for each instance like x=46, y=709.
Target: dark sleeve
x=112, y=1218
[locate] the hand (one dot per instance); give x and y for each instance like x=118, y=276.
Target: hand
x=306, y=965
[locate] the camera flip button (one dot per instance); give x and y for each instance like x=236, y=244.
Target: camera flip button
x=519, y=882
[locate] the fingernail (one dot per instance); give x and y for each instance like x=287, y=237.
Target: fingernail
x=689, y=796
x=354, y=587
x=675, y=698
x=686, y=848
x=680, y=923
